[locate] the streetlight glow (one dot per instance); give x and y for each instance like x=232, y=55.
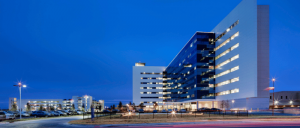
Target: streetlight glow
x=232, y=101
x=24, y=86
x=273, y=79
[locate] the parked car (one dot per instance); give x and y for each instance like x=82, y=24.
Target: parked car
x=61, y=113
x=48, y=113
x=203, y=109
x=169, y=110
x=154, y=111
x=182, y=111
x=9, y=115
x=25, y=114
x=175, y=109
x=14, y=113
x=40, y=113
x=115, y=110
x=54, y=113
x=215, y=109
x=105, y=111
x=141, y=110
x=163, y=111
x=2, y=116
x=79, y=112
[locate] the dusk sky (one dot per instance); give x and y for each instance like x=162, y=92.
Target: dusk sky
x=65, y=48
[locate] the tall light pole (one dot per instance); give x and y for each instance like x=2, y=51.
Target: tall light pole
x=273, y=81
x=20, y=85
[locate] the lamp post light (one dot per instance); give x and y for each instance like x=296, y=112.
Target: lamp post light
x=20, y=85
x=273, y=81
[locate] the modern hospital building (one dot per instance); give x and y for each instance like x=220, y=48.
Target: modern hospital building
x=225, y=68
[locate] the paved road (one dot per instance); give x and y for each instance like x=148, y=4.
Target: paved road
x=61, y=122
x=43, y=123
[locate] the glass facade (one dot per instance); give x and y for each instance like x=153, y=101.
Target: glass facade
x=191, y=73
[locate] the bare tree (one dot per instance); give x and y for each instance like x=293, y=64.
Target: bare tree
x=28, y=107
x=141, y=105
x=155, y=105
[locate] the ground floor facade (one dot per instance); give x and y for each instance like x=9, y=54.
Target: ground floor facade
x=234, y=104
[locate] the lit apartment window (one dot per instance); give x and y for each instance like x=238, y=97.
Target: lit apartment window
x=227, y=92
x=227, y=61
x=227, y=41
x=234, y=79
x=227, y=51
x=235, y=57
x=227, y=71
x=234, y=46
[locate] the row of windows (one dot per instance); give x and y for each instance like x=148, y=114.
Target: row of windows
x=155, y=78
x=286, y=97
x=228, y=81
x=227, y=61
x=227, y=30
x=155, y=92
x=151, y=87
x=227, y=51
x=227, y=71
x=151, y=102
x=228, y=92
x=227, y=41
x=155, y=97
x=151, y=73
x=151, y=83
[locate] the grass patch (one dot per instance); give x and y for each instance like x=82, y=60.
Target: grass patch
x=162, y=118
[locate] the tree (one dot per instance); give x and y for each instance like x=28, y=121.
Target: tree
x=129, y=103
x=141, y=105
x=51, y=108
x=100, y=107
x=133, y=105
x=28, y=107
x=83, y=107
x=113, y=107
x=224, y=104
x=13, y=107
x=120, y=105
x=60, y=106
x=41, y=108
x=155, y=105
x=73, y=107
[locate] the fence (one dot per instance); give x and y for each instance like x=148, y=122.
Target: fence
x=153, y=115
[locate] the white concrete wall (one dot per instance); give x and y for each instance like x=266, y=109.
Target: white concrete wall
x=246, y=13
x=252, y=81
x=136, y=84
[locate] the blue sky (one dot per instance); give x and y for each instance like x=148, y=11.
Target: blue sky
x=66, y=48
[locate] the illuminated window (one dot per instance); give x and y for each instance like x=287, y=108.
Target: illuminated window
x=227, y=51
x=227, y=71
x=234, y=79
x=234, y=69
x=227, y=61
x=227, y=41
x=234, y=58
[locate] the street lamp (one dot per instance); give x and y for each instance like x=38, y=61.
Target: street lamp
x=20, y=85
x=273, y=81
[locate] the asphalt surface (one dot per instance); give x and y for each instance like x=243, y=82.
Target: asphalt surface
x=62, y=122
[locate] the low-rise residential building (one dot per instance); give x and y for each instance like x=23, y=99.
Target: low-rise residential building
x=77, y=103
